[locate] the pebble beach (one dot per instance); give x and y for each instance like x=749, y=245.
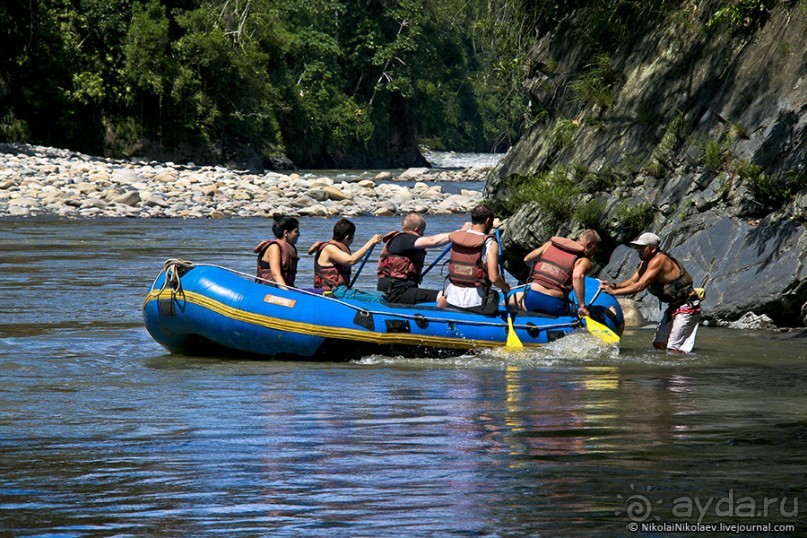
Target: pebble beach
x=42, y=181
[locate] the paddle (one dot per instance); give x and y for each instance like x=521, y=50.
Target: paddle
x=440, y=257
x=601, y=331
x=513, y=341
x=361, y=266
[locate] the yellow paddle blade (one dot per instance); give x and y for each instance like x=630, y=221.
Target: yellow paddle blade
x=601, y=331
x=512, y=338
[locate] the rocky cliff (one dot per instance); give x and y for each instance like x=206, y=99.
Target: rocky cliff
x=696, y=132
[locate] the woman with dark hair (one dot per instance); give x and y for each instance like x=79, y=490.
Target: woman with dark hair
x=333, y=259
x=277, y=258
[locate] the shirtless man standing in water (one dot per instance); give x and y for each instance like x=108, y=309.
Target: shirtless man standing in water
x=665, y=277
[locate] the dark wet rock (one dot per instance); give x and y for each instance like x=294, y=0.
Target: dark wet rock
x=680, y=89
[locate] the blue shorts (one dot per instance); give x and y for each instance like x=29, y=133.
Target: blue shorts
x=535, y=301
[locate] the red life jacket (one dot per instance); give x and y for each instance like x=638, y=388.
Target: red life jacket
x=554, y=268
x=329, y=278
x=288, y=261
x=399, y=266
x=465, y=267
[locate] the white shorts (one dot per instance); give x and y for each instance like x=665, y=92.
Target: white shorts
x=463, y=297
x=677, y=329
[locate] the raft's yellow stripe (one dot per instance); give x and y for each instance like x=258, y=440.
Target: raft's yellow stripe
x=341, y=333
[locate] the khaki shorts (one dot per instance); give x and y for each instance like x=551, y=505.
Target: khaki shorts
x=677, y=329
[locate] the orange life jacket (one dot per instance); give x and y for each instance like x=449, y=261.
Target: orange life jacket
x=288, y=261
x=329, y=278
x=399, y=266
x=555, y=266
x=465, y=267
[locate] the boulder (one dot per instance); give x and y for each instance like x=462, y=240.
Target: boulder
x=317, y=194
x=97, y=177
x=85, y=187
x=94, y=203
x=19, y=210
x=321, y=182
x=131, y=198
x=125, y=177
x=316, y=210
x=167, y=177
x=750, y=321
x=630, y=311
x=303, y=201
x=411, y=174
x=335, y=194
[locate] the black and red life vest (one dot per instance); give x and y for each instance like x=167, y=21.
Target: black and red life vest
x=555, y=267
x=288, y=261
x=465, y=267
x=329, y=278
x=400, y=266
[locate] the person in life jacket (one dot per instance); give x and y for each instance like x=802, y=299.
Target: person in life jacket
x=277, y=258
x=333, y=259
x=666, y=278
x=401, y=262
x=558, y=266
x=473, y=266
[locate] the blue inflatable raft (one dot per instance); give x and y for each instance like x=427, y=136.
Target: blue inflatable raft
x=204, y=309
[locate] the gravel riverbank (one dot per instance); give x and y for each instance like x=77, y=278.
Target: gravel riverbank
x=37, y=181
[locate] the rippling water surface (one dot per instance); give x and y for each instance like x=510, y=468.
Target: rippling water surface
x=104, y=433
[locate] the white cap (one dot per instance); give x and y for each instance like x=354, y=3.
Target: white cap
x=646, y=238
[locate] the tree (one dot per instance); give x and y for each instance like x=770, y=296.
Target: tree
x=329, y=82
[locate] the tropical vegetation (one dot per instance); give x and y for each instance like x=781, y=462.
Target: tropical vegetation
x=324, y=82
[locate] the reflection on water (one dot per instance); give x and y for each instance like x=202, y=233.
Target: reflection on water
x=104, y=433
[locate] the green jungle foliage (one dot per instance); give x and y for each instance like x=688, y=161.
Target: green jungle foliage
x=634, y=217
x=741, y=15
x=590, y=214
x=326, y=82
x=593, y=85
x=555, y=192
x=770, y=191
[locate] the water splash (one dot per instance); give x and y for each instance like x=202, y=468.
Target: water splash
x=576, y=348
x=583, y=345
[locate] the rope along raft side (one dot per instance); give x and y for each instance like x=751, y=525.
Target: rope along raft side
x=192, y=307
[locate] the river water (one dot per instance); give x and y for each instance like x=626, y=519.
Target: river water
x=104, y=433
